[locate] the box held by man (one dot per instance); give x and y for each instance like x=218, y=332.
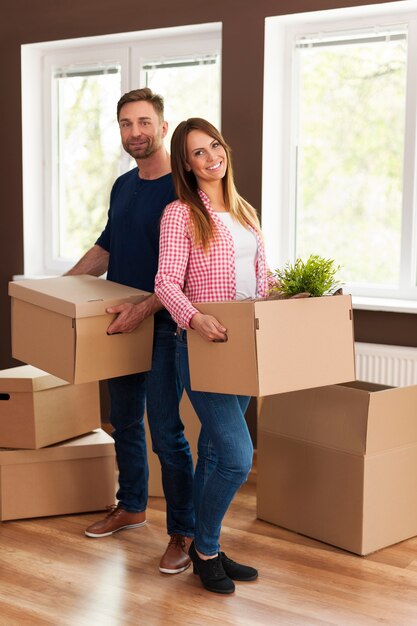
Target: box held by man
x=60, y=325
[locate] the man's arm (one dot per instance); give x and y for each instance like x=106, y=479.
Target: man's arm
x=94, y=262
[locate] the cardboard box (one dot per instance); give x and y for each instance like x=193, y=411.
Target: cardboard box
x=60, y=325
x=192, y=428
x=275, y=346
x=37, y=409
x=73, y=477
x=339, y=464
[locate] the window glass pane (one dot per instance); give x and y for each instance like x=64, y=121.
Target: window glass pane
x=191, y=88
x=350, y=155
x=88, y=154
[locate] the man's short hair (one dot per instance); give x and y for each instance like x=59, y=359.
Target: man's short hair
x=146, y=94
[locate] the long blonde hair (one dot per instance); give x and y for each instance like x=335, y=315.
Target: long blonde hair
x=187, y=189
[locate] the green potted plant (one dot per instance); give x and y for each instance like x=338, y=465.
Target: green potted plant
x=312, y=278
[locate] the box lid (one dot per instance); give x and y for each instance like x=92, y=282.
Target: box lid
x=333, y=416
x=74, y=296
x=359, y=418
x=392, y=418
x=96, y=444
x=27, y=378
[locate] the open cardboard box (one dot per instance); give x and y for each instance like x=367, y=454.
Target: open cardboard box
x=38, y=409
x=275, y=346
x=339, y=464
x=72, y=477
x=59, y=325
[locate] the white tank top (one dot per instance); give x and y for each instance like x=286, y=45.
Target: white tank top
x=246, y=251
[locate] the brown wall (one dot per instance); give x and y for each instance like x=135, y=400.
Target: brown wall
x=243, y=22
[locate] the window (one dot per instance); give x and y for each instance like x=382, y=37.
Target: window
x=341, y=90
x=72, y=153
x=85, y=143
x=199, y=80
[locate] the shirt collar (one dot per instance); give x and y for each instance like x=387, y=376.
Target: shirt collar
x=204, y=197
x=206, y=201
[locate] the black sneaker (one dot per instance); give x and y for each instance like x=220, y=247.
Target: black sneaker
x=236, y=571
x=211, y=572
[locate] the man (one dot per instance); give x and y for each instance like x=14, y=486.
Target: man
x=128, y=250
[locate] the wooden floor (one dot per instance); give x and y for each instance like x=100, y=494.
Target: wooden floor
x=51, y=574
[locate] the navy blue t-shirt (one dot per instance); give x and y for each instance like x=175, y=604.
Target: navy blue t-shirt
x=131, y=235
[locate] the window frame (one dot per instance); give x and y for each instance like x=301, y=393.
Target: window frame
x=280, y=125
x=38, y=61
x=78, y=58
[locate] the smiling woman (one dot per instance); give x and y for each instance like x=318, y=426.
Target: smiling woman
x=207, y=158
x=204, y=258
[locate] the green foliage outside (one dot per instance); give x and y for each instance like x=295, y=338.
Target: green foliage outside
x=350, y=157
x=89, y=151
x=316, y=276
x=189, y=91
x=88, y=145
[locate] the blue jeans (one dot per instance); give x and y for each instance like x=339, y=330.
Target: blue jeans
x=225, y=454
x=161, y=390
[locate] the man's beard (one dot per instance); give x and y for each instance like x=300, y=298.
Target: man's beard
x=150, y=149
x=143, y=154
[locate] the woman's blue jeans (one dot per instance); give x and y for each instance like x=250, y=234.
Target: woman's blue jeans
x=161, y=390
x=225, y=454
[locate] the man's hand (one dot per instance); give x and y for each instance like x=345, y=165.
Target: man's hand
x=208, y=327
x=129, y=317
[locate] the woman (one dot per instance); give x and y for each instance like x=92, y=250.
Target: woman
x=210, y=250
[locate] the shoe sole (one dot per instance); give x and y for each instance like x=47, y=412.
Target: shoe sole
x=164, y=570
x=238, y=580
x=244, y=580
x=96, y=535
x=222, y=591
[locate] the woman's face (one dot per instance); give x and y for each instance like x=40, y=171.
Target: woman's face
x=206, y=157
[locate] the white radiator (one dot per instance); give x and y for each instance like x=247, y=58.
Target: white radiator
x=387, y=365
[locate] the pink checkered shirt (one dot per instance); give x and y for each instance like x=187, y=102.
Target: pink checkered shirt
x=188, y=274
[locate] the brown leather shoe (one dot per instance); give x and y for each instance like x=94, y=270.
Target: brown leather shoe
x=116, y=520
x=175, y=558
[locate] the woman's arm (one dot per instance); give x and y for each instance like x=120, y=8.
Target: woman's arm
x=174, y=251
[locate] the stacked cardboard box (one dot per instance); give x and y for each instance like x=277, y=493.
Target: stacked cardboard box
x=46, y=467
x=339, y=464
x=38, y=409
x=48, y=464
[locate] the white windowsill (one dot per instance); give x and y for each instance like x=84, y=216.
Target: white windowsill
x=384, y=304
x=359, y=302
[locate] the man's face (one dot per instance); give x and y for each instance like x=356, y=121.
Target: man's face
x=141, y=130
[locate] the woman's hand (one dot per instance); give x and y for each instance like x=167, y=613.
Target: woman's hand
x=208, y=327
